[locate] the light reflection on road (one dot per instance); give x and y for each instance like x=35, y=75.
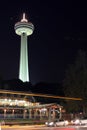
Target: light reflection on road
x=41, y=128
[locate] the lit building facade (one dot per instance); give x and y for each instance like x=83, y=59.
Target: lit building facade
x=16, y=105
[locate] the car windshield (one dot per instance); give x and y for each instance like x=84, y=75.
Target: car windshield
x=61, y=120
x=84, y=118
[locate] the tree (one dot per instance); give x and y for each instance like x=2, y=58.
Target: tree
x=75, y=83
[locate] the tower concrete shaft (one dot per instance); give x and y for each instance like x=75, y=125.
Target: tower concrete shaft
x=24, y=29
x=23, y=70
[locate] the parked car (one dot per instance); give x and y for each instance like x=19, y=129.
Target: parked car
x=76, y=122
x=50, y=123
x=82, y=121
x=60, y=122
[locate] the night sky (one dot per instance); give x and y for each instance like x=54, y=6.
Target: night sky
x=60, y=31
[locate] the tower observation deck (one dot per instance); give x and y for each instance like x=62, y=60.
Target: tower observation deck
x=24, y=29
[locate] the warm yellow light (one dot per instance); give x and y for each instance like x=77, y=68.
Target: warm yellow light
x=39, y=95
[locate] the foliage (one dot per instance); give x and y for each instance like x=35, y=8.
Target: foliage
x=75, y=83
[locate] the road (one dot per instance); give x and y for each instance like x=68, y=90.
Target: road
x=36, y=127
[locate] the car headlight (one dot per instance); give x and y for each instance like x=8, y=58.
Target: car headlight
x=51, y=123
x=66, y=122
x=46, y=123
x=77, y=121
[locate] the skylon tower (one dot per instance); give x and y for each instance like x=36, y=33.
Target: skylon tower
x=24, y=29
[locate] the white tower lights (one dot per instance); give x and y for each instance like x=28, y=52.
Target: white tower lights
x=24, y=29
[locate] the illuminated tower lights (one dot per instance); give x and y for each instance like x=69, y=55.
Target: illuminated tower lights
x=24, y=29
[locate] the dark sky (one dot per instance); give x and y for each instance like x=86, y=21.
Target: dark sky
x=60, y=31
